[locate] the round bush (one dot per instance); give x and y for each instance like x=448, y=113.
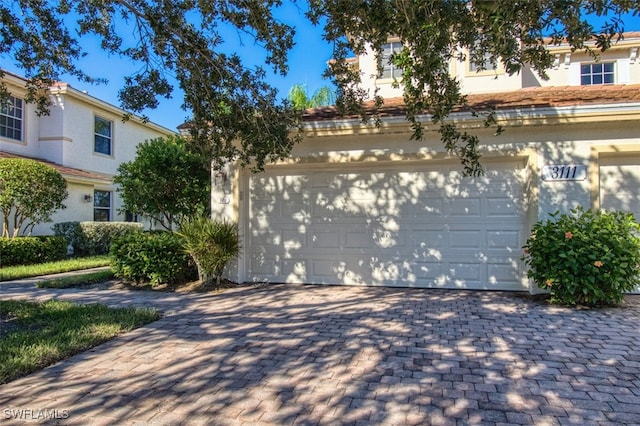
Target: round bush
x=155, y=258
x=585, y=258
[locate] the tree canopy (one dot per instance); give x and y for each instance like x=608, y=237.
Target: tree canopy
x=432, y=33
x=164, y=182
x=30, y=192
x=236, y=112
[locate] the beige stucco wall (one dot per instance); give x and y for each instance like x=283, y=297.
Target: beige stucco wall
x=554, y=141
x=75, y=141
x=76, y=208
x=565, y=72
x=66, y=137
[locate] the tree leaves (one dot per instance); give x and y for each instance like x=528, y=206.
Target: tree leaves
x=30, y=192
x=237, y=114
x=164, y=182
x=434, y=32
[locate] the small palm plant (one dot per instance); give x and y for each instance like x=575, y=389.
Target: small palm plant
x=211, y=244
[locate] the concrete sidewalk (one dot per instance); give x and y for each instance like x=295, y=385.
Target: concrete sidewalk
x=342, y=355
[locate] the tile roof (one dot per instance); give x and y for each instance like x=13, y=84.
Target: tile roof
x=538, y=97
x=64, y=171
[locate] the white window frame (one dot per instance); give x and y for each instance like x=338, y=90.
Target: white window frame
x=594, y=73
x=394, y=72
x=102, y=137
x=12, y=119
x=473, y=70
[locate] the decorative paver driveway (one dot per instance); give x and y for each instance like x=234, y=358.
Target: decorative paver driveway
x=343, y=355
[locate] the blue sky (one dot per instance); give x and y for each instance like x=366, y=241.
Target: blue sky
x=307, y=62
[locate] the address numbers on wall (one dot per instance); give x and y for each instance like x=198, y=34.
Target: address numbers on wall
x=559, y=172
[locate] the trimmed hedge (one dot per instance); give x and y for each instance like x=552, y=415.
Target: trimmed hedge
x=30, y=250
x=151, y=257
x=92, y=238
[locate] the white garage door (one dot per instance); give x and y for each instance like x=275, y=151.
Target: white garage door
x=419, y=226
x=620, y=183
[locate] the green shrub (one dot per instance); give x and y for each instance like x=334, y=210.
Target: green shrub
x=585, y=258
x=154, y=258
x=211, y=244
x=92, y=238
x=30, y=250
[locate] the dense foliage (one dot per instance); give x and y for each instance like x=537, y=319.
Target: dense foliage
x=31, y=250
x=211, y=244
x=434, y=32
x=154, y=258
x=30, y=192
x=164, y=182
x=93, y=238
x=586, y=257
x=236, y=113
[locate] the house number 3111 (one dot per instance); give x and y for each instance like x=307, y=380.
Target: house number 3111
x=556, y=172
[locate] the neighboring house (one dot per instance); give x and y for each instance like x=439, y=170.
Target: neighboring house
x=356, y=204
x=84, y=138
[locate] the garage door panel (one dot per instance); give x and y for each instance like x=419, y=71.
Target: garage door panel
x=421, y=227
x=505, y=273
x=357, y=239
x=431, y=274
x=263, y=266
x=428, y=207
x=325, y=270
x=462, y=239
x=620, y=185
x=328, y=239
x=465, y=271
x=433, y=238
x=504, y=240
x=504, y=207
x=294, y=271
x=468, y=207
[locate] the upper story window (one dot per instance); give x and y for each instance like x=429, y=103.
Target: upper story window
x=479, y=62
x=101, y=206
x=102, y=136
x=11, y=118
x=485, y=65
x=389, y=70
x=600, y=73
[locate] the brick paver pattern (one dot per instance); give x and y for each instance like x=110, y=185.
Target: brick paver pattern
x=343, y=355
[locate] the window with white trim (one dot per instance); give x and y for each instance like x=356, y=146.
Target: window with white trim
x=597, y=73
x=485, y=65
x=102, y=143
x=11, y=118
x=389, y=70
x=101, y=206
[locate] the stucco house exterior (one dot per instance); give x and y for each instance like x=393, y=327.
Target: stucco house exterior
x=84, y=138
x=356, y=204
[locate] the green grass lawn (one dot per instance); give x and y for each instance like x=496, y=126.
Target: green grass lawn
x=77, y=280
x=35, y=335
x=27, y=271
